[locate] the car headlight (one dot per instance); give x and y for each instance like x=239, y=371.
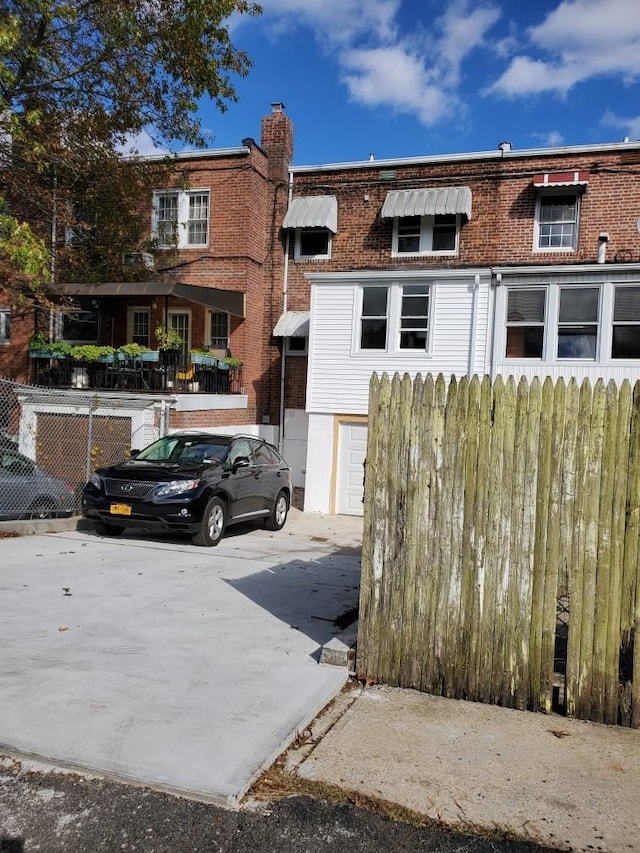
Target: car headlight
x=95, y=480
x=176, y=487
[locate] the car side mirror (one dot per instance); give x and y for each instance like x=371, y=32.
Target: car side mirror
x=133, y=453
x=240, y=462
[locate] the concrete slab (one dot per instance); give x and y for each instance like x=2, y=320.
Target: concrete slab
x=565, y=783
x=182, y=668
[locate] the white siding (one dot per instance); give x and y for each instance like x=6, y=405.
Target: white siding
x=338, y=377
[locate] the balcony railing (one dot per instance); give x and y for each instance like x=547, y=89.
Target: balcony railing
x=154, y=371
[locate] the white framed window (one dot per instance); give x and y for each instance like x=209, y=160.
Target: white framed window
x=625, y=332
x=312, y=244
x=5, y=325
x=218, y=330
x=426, y=235
x=139, y=326
x=578, y=313
x=296, y=345
x=556, y=222
x=181, y=322
x=526, y=312
x=394, y=317
x=181, y=218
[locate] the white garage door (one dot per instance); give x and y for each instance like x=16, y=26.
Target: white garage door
x=352, y=447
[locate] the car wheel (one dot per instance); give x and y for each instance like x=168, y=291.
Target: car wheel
x=214, y=519
x=279, y=512
x=41, y=509
x=103, y=528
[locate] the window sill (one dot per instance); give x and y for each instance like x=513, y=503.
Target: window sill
x=424, y=254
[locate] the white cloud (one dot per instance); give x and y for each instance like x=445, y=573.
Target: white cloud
x=579, y=40
x=415, y=73
x=142, y=145
x=629, y=126
x=390, y=77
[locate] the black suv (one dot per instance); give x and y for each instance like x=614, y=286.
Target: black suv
x=193, y=482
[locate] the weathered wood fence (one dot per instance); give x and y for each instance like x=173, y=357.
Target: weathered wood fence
x=485, y=504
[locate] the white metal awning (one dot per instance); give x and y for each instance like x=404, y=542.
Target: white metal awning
x=292, y=324
x=428, y=202
x=313, y=211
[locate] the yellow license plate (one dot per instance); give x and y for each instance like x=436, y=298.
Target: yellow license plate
x=120, y=509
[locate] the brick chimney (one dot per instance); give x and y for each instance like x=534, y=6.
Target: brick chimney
x=276, y=138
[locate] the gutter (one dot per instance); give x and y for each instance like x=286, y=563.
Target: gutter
x=285, y=287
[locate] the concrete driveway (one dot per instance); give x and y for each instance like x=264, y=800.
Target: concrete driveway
x=186, y=669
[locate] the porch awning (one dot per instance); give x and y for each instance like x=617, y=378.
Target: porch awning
x=313, y=211
x=292, y=324
x=427, y=202
x=230, y=301
x=561, y=179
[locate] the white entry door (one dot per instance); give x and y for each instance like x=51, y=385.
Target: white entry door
x=352, y=447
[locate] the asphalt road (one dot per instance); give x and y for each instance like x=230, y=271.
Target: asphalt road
x=59, y=812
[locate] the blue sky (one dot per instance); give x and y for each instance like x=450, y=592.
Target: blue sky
x=400, y=78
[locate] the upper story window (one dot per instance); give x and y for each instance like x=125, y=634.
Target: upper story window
x=181, y=219
x=427, y=221
x=394, y=317
x=218, y=330
x=557, y=221
x=314, y=219
x=5, y=325
x=312, y=244
x=426, y=235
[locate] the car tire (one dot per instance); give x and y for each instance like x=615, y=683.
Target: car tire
x=214, y=520
x=41, y=509
x=103, y=528
x=279, y=512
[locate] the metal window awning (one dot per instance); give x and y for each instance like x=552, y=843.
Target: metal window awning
x=313, y=211
x=561, y=179
x=440, y=201
x=292, y=324
x=230, y=301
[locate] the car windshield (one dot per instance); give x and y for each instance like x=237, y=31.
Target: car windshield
x=185, y=450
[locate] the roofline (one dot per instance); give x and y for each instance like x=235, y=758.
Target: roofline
x=600, y=148
x=195, y=154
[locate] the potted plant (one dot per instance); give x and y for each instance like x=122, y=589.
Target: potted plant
x=132, y=350
x=201, y=355
x=169, y=343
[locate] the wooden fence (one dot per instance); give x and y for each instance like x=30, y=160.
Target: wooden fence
x=486, y=504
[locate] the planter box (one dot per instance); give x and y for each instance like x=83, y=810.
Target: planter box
x=201, y=358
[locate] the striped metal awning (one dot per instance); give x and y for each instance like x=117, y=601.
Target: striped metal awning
x=292, y=324
x=313, y=211
x=428, y=202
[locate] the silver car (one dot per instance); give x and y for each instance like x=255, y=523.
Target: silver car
x=27, y=491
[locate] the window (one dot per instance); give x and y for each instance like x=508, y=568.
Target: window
x=578, y=322
x=373, y=318
x=138, y=326
x=180, y=218
x=425, y=235
x=80, y=326
x=218, y=330
x=312, y=244
x=5, y=325
x=179, y=320
x=625, y=340
x=557, y=221
x=414, y=316
x=525, y=323
x=296, y=345
x=395, y=316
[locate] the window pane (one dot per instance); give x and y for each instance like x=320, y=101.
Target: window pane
x=80, y=326
x=409, y=234
x=444, y=234
x=5, y=325
x=526, y=306
x=374, y=301
x=579, y=304
x=626, y=342
x=525, y=341
x=627, y=303
x=577, y=341
x=198, y=219
x=373, y=334
x=314, y=242
x=561, y=208
x=413, y=339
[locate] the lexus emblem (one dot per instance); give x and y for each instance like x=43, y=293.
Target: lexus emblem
x=126, y=487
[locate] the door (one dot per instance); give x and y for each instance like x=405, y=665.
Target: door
x=352, y=448
x=243, y=485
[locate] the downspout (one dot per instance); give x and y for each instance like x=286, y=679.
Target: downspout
x=54, y=242
x=285, y=281
x=492, y=324
x=474, y=326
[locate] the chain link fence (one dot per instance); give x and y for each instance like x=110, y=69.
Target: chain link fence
x=52, y=440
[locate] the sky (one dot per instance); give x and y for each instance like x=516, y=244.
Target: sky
x=405, y=78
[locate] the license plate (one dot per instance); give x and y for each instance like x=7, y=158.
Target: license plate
x=120, y=509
